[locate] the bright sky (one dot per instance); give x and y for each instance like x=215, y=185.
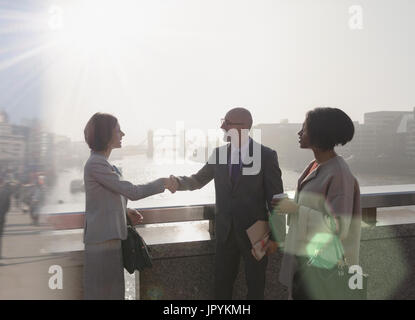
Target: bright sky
x=152, y=63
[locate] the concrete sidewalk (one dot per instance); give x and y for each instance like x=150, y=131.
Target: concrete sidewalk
x=24, y=265
x=20, y=237
x=28, y=253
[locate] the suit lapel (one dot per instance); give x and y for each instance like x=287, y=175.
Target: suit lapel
x=309, y=177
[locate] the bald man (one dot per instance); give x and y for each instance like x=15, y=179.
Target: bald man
x=246, y=176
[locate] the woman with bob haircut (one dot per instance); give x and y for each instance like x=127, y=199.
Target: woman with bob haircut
x=106, y=209
x=326, y=188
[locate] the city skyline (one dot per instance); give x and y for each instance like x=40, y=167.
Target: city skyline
x=5, y=117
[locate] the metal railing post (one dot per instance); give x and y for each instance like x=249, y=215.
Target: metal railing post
x=369, y=216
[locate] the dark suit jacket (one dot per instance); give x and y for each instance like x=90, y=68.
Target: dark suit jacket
x=242, y=204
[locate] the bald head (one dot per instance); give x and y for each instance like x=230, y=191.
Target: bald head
x=240, y=115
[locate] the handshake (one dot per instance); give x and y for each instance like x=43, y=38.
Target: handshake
x=171, y=183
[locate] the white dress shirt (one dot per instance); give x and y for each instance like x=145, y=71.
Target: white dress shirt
x=244, y=152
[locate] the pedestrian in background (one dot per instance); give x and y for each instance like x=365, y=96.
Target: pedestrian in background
x=5, y=193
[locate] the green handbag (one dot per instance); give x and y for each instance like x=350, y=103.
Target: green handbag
x=326, y=250
x=323, y=273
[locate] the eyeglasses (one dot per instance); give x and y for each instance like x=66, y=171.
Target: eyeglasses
x=228, y=123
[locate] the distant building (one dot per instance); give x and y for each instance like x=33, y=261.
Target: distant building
x=363, y=145
x=283, y=137
x=4, y=117
x=12, y=146
x=410, y=137
x=385, y=138
x=26, y=149
x=390, y=131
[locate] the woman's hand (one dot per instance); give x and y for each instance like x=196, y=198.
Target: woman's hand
x=171, y=184
x=284, y=206
x=134, y=216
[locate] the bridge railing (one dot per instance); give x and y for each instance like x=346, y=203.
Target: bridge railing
x=372, y=198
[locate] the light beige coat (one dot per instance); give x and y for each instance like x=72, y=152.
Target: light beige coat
x=330, y=188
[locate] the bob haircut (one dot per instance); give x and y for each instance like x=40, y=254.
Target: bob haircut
x=98, y=131
x=329, y=127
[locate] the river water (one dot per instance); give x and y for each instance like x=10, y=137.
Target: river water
x=139, y=169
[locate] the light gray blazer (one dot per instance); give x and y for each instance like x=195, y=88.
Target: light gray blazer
x=106, y=199
x=333, y=189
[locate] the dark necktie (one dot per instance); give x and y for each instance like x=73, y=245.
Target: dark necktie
x=236, y=170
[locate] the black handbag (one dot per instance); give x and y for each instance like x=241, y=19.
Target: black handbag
x=135, y=253
x=325, y=275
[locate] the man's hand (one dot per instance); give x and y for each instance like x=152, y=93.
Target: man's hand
x=171, y=183
x=271, y=247
x=284, y=206
x=134, y=216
